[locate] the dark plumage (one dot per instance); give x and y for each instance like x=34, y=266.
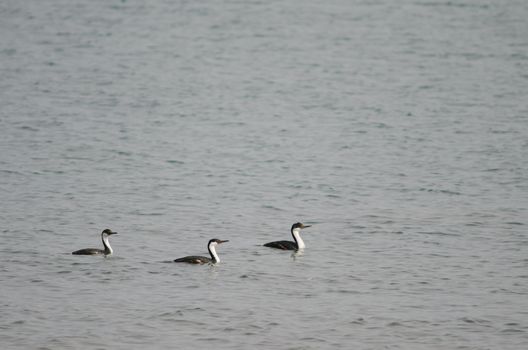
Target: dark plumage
x=289, y=245
x=94, y=251
x=89, y=251
x=284, y=245
x=194, y=259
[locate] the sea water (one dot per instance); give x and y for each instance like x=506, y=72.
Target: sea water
x=397, y=129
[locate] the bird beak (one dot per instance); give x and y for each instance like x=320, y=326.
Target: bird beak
x=305, y=226
x=113, y=233
x=224, y=241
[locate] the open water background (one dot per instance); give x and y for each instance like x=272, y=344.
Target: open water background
x=398, y=129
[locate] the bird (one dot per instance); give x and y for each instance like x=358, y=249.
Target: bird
x=289, y=245
x=211, y=246
x=94, y=251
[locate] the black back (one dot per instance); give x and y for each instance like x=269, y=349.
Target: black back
x=193, y=259
x=284, y=245
x=89, y=251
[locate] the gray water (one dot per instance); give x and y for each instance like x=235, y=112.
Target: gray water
x=398, y=129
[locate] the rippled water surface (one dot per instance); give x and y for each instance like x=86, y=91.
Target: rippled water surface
x=398, y=129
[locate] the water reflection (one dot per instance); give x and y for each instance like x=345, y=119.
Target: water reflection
x=297, y=254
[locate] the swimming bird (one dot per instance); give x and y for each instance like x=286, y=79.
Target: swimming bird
x=94, y=251
x=289, y=245
x=211, y=246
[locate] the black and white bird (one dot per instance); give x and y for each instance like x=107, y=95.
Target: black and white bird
x=105, y=235
x=211, y=246
x=289, y=245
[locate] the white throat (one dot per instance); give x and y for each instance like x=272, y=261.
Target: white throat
x=297, y=236
x=106, y=243
x=212, y=250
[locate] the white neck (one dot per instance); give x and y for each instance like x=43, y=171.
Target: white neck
x=297, y=236
x=212, y=250
x=106, y=243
